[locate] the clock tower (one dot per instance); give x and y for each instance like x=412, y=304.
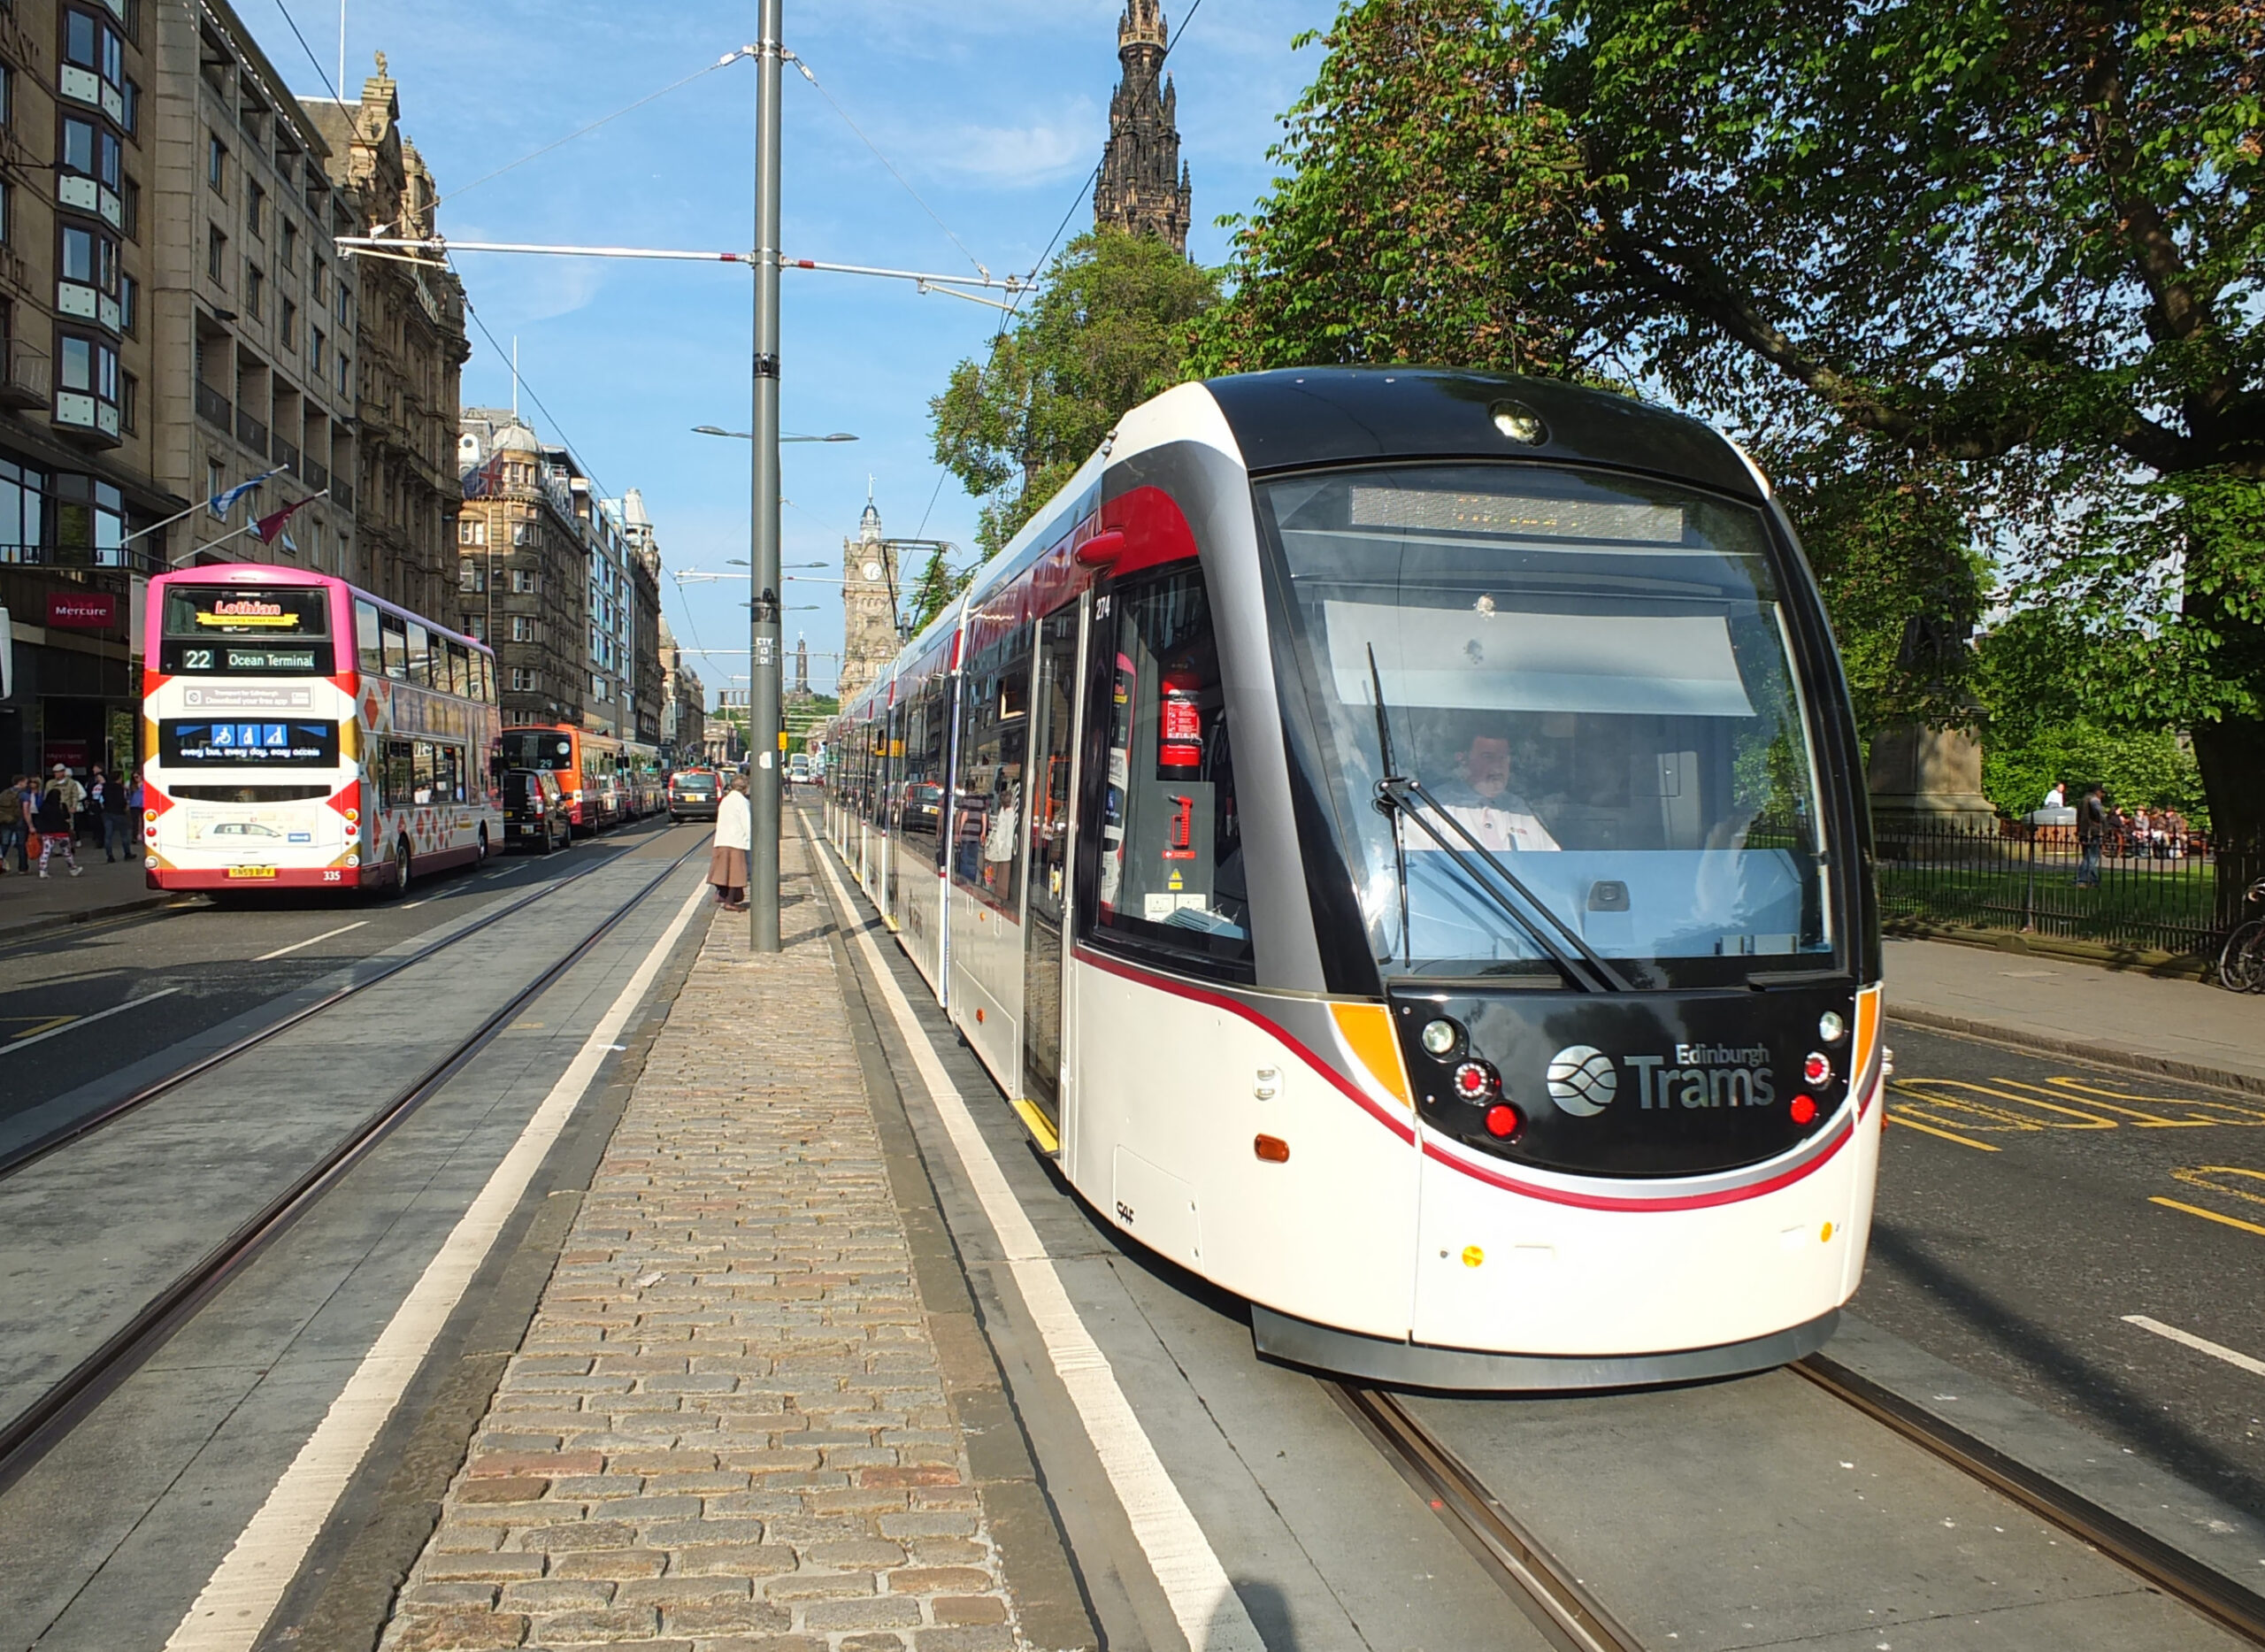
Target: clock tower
x=868, y=604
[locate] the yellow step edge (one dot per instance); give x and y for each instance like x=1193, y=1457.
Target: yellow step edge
x=1039, y=1126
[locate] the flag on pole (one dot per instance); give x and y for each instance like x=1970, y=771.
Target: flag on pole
x=221, y=503
x=268, y=527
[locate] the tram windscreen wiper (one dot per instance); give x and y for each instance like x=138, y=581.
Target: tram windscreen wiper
x=1399, y=796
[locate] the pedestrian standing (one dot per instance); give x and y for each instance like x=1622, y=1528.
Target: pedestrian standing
x=2057, y=797
x=113, y=804
x=13, y=824
x=59, y=809
x=28, y=795
x=735, y=837
x=2092, y=826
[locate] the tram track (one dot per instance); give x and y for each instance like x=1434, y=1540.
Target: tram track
x=27, y=1437
x=1569, y=1613
x=63, y=1135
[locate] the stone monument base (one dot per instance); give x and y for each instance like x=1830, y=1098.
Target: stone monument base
x=1919, y=775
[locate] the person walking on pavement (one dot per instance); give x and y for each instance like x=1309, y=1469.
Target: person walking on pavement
x=27, y=801
x=734, y=836
x=2092, y=828
x=58, y=811
x=113, y=801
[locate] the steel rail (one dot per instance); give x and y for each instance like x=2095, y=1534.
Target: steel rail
x=31, y=1433
x=63, y=1135
x=1560, y=1605
x=2219, y=1598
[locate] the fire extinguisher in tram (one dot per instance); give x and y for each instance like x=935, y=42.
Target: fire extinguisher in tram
x=1179, y=724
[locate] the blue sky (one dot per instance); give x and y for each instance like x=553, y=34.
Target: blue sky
x=994, y=111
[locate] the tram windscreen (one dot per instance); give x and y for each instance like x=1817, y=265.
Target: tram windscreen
x=1591, y=681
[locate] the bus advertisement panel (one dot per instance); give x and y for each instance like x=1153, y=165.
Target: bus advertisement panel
x=303, y=733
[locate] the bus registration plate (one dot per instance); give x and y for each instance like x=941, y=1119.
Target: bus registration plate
x=251, y=871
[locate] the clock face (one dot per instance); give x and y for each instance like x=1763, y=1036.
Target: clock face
x=872, y=570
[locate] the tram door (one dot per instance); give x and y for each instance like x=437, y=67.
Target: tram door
x=1046, y=785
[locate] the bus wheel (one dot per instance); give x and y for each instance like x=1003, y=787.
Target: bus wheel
x=400, y=867
x=483, y=859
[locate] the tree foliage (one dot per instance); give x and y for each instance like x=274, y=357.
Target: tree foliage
x=1966, y=272
x=1108, y=328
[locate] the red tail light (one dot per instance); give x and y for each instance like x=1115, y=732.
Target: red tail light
x=1804, y=1109
x=1503, y=1120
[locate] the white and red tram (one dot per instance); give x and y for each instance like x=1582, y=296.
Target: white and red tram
x=301, y=732
x=1398, y=836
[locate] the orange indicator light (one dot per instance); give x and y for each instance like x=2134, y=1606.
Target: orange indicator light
x=1273, y=1149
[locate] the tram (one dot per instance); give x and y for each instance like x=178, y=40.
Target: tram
x=304, y=734
x=1398, y=838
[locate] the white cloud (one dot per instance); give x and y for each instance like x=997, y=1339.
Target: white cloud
x=1045, y=149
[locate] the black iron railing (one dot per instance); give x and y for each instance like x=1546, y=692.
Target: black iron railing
x=2163, y=890
x=213, y=407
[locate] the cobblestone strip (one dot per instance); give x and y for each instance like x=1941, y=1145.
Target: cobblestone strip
x=726, y=1431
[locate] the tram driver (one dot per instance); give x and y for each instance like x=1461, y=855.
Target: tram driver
x=1483, y=802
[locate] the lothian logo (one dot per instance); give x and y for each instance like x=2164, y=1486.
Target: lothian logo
x=1583, y=1080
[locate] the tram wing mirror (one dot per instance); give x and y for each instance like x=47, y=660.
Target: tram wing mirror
x=1102, y=549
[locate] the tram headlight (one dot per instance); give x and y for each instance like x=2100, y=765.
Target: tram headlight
x=1831, y=1028
x=1441, y=1038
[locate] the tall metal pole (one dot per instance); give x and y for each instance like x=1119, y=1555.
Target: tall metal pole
x=764, y=688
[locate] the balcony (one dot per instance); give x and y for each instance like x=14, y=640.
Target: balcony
x=29, y=375
x=343, y=493
x=213, y=407
x=286, y=454
x=250, y=432
x=318, y=475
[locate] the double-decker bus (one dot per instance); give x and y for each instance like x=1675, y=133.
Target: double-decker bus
x=589, y=767
x=304, y=734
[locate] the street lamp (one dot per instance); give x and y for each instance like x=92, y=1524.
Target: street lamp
x=749, y=436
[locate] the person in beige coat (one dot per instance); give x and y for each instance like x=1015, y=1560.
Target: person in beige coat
x=734, y=836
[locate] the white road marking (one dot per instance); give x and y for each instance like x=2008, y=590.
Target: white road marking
x=1209, y=1612
x=240, y=1596
x=99, y=1015
x=2200, y=1345
x=310, y=940
x=413, y=906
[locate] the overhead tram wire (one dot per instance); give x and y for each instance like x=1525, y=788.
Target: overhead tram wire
x=1084, y=189
x=321, y=73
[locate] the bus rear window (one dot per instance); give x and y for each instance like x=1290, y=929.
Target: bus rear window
x=227, y=610
x=538, y=749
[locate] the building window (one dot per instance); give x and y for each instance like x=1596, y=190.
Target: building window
x=314, y=349
x=90, y=367
x=255, y=210
x=471, y=530
x=92, y=150
x=522, y=534
x=129, y=403
x=254, y=292
x=289, y=234
x=129, y=208
x=215, y=482
x=471, y=576
x=7, y=96
x=523, y=680
x=287, y=323
x=322, y=282
x=523, y=629
x=216, y=163
x=130, y=97
x=527, y=582
x=475, y=626
x=129, y=305
x=216, y=258
x=345, y=294
x=342, y=372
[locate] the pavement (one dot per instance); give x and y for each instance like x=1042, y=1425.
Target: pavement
x=730, y=1423
x=2181, y=1029
x=29, y=903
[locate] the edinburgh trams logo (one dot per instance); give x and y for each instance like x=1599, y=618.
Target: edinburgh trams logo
x=1582, y=1080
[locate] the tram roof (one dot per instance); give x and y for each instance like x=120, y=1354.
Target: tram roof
x=1296, y=417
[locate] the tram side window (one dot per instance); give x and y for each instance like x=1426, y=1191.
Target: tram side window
x=365, y=639
x=1170, y=876
x=926, y=789
x=987, y=810
x=393, y=633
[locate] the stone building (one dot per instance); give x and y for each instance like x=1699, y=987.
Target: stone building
x=869, y=638
x=524, y=565
x=252, y=315
x=684, y=704
x=644, y=690
x=1144, y=188
x=80, y=474
x=409, y=342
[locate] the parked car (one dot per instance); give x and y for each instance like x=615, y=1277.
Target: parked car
x=693, y=794
x=536, y=810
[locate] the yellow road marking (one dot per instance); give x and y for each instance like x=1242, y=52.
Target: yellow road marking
x=1912, y=1124
x=2082, y=1121
x=2198, y=1176
x=2208, y=1216
x=2147, y=1121
x=2241, y=1115
x=39, y=1024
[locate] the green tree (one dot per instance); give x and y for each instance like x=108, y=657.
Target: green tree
x=2011, y=247
x=1107, y=329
